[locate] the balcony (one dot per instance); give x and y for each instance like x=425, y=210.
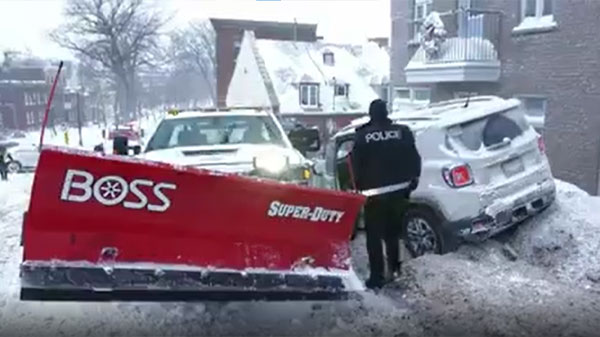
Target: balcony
x=466, y=51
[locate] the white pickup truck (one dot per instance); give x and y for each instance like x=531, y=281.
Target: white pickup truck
x=244, y=141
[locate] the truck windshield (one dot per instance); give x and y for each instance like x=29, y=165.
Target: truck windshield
x=215, y=130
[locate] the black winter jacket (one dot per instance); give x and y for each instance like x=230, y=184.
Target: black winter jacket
x=384, y=154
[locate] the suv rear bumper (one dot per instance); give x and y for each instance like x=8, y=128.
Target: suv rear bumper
x=505, y=213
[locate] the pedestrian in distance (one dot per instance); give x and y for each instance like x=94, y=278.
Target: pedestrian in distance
x=5, y=158
x=386, y=167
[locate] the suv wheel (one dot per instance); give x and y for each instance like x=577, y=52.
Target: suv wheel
x=14, y=167
x=421, y=231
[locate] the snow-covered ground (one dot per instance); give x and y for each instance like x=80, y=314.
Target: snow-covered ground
x=550, y=288
x=91, y=134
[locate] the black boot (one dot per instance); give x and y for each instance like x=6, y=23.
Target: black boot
x=374, y=283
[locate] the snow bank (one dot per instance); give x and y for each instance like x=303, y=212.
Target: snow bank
x=565, y=240
x=478, y=290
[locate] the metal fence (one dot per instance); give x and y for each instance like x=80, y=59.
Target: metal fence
x=471, y=35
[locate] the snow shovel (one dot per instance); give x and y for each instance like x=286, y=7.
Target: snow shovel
x=112, y=228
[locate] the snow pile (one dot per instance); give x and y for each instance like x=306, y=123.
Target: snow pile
x=478, y=290
x=566, y=239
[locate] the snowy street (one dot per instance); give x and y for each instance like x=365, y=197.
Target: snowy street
x=552, y=286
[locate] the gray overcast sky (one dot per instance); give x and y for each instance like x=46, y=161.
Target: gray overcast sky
x=339, y=20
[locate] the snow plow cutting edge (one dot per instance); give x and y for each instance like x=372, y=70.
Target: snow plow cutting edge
x=113, y=228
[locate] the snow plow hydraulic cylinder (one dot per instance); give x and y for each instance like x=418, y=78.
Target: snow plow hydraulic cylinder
x=114, y=228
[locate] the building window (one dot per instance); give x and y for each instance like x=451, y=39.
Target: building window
x=309, y=95
x=29, y=119
x=536, y=8
x=421, y=10
x=536, y=15
x=535, y=110
x=411, y=96
x=341, y=89
x=27, y=97
x=464, y=94
x=421, y=95
x=328, y=58
x=385, y=93
x=402, y=94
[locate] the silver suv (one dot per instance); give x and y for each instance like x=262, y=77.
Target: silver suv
x=484, y=170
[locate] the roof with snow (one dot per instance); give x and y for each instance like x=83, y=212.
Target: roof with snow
x=289, y=63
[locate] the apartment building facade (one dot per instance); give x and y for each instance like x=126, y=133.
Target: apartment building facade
x=544, y=52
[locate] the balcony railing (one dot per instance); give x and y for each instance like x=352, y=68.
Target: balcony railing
x=471, y=36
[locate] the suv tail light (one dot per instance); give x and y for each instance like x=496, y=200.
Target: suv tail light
x=458, y=176
x=541, y=145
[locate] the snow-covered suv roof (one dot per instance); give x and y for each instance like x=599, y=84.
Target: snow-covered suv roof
x=445, y=113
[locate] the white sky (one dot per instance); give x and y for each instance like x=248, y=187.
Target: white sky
x=24, y=24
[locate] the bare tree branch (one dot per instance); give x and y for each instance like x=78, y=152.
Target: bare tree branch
x=194, y=49
x=118, y=35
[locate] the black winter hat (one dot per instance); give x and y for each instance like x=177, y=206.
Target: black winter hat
x=378, y=109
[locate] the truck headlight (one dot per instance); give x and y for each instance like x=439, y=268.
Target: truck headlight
x=271, y=162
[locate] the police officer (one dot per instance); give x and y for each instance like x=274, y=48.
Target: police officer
x=386, y=167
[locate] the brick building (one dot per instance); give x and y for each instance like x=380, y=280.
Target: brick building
x=23, y=92
x=542, y=51
x=24, y=88
x=229, y=34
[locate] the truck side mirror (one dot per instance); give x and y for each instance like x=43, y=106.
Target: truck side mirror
x=120, y=145
x=305, y=140
x=136, y=149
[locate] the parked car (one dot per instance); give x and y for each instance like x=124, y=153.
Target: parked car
x=24, y=158
x=484, y=170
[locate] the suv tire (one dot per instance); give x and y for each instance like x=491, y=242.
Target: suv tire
x=14, y=167
x=422, y=232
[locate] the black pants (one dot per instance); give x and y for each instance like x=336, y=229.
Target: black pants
x=4, y=171
x=383, y=216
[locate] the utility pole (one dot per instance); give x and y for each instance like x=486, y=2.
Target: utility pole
x=295, y=30
x=334, y=92
x=79, y=118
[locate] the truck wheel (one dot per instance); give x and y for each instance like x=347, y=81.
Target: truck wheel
x=422, y=233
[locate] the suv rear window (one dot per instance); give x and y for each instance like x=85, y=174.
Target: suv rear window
x=492, y=130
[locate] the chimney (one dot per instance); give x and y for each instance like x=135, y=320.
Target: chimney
x=382, y=42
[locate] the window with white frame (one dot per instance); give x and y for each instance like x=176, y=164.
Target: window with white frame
x=536, y=14
x=385, y=92
x=328, y=58
x=464, y=94
x=29, y=117
x=309, y=95
x=341, y=89
x=411, y=96
x=421, y=9
x=421, y=95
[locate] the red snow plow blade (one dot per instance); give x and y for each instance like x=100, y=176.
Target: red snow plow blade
x=113, y=228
